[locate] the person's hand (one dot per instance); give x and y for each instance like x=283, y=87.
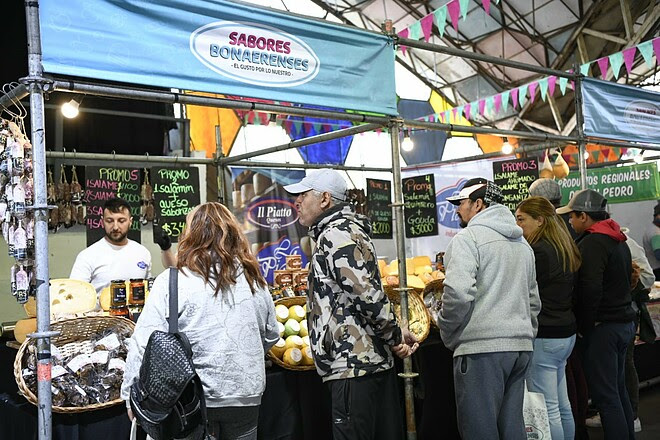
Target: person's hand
x=130, y=414
x=408, y=345
x=164, y=241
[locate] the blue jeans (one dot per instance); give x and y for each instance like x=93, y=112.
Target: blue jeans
x=489, y=395
x=604, y=366
x=548, y=373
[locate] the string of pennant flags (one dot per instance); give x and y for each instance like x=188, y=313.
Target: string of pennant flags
x=453, y=10
x=493, y=105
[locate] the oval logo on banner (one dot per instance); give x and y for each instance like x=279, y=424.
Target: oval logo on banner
x=643, y=116
x=272, y=213
x=255, y=54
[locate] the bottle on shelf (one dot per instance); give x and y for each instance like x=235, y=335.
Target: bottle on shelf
x=118, y=305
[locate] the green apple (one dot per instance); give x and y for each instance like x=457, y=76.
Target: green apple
x=291, y=327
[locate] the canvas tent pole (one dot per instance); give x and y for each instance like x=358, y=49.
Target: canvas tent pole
x=36, y=84
x=397, y=207
x=204, y=101
x=303, y=142
x=128, y=158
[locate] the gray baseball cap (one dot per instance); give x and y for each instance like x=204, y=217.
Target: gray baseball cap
x=324, y=180
x=586, y=200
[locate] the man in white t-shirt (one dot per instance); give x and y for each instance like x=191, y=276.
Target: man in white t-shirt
x=114, y=257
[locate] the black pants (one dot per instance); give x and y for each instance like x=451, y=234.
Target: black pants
x=366, y=407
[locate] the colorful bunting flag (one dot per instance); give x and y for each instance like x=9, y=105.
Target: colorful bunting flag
x=505, y=99
x=602, y=64
x=646, y=49
x=584, y=69
x=297, y=127
x=440, y=16
x=616, y=60
x=532, y=91
x=629, y=57
x=467, y=108
x=415, y=30
x=403, y=34
x=490, y=103
x=454, y=111
x=656, y=48
x=522, y=95
x=486, y=5
x=514, y=98
x=427, y=26
x=498, y=102
x=552, y=81
x=482, y=106
x=447, y=117
x=454, y=9
x=464, y=8
x=543, y=87
x=563, y=82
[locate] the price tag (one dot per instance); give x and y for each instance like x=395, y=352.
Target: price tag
x=514, y=177
x=379, y=197
x=176, y=193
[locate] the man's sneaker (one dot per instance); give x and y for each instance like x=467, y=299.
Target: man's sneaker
x=638, y=425
x=594, y=422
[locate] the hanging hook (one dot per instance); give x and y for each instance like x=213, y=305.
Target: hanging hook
x=113, y=155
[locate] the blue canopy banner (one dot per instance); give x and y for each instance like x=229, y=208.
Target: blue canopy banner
x=220, y=46
x=615, y=111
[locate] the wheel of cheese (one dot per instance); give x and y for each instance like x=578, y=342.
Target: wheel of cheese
x=68, y=296
x=24, y=327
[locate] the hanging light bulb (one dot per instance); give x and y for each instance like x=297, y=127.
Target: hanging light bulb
x=586, y=155
x=639, y=158
x=70, y=109
x=507, y=148
x=272, y=122
x=407, y=144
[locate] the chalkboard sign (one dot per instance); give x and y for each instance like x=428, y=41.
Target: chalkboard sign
x=379, y=197
x=514, y=177
x=104, y=183
x=419, y=206
x=176, y=193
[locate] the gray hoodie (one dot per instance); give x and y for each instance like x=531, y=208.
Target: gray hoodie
x=491, y=300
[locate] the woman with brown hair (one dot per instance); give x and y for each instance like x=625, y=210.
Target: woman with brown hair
x=557, y=259
x=225, y=310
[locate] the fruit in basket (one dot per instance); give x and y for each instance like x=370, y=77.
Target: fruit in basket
x=297, y=313
x=303, y=328
x=291, y=327
x=281, y=313
x=294, y=341
x=305, y=341
x=307, y=358
x=292, y=356
x=280, y=328
x=279, y=348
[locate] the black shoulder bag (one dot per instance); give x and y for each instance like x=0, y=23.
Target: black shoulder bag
x=167, y=399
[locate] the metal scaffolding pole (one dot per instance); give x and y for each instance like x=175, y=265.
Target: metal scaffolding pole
x=219, y=168
x=173, y=160
x=397, y=207
x=485, y=58
x=294, y=166
x=13, y=96
x=35, y=83
x=579, y=126
x=181, y=98
x=303, y=142
x=413, y=123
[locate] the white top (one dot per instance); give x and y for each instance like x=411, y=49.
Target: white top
x=103, y=262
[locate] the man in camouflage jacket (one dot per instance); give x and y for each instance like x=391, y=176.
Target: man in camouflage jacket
x=352, y=327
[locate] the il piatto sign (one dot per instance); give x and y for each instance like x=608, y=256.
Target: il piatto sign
x=254, y=54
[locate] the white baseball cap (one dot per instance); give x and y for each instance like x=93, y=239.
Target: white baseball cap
x=324, y=180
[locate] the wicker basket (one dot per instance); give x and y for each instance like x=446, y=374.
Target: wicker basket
x=74, y=338
x=417, y=311
x=288, y=302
